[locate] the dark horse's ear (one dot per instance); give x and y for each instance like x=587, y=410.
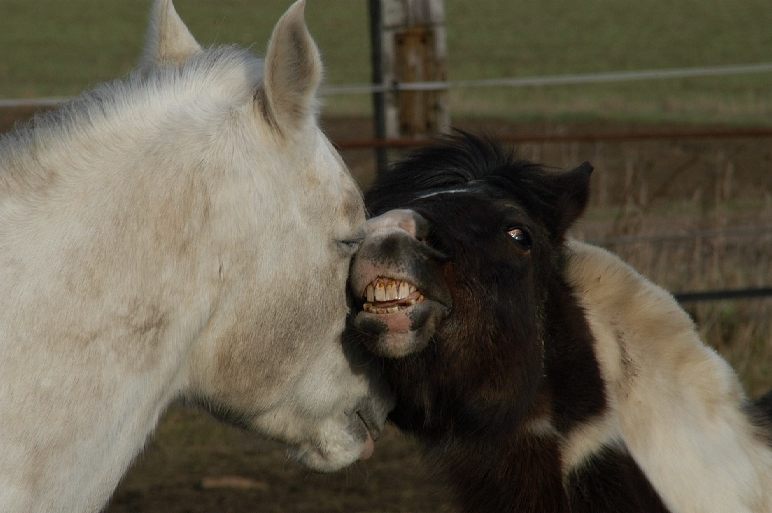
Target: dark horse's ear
x=572, y=192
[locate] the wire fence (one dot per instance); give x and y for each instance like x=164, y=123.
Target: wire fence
x=637, y=135
x=736, y=232
x=723, y=295
x=554, y=80
x=749, y=233
x=509, y=82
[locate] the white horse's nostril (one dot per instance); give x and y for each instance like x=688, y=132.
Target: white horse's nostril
x=368, y=417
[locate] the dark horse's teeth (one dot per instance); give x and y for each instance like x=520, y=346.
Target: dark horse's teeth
x=388, y=289
x=392, y=307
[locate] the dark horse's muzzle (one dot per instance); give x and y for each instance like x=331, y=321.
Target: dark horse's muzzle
x=397, y=284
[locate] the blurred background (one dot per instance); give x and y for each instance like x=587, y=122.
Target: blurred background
x=682, y=188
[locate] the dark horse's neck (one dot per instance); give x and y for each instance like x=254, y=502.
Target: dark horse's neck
x=514, y=464
x=518, y=469
x=522, y=473
x=506, y=474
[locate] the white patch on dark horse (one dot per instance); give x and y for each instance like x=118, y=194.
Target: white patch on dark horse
x=181, y=233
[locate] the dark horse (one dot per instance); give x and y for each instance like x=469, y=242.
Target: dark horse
x=544, y=375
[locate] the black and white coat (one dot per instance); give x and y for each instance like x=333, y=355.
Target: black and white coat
x=543, y=374
x=673, y=404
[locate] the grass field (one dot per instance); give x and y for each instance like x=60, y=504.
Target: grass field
x=52, y=47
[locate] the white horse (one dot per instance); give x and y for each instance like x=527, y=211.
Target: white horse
x=183, y=233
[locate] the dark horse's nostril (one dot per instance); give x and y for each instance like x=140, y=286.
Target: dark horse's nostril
x=421, y=226
x=398, y=246
x=433, y=253
x=409, y=221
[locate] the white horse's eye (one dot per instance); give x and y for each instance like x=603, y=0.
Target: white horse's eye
x=521, y=237
x=350, y=246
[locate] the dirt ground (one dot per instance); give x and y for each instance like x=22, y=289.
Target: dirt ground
x=197, y=465
x=194, y=464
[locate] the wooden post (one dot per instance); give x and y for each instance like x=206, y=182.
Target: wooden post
x=413, y=49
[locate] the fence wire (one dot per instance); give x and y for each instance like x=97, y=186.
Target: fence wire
x=511, y=82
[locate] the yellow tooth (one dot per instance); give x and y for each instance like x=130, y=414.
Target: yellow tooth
x=393, y=309
x=411, y=289
x=380, y=292
x=404, y=290
x=391, y=291
x=370, y=293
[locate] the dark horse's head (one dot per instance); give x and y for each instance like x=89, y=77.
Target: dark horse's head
x=452, y=280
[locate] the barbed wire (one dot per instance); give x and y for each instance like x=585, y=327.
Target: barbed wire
x=736, y=232
x=544, y=81
x=553, y=80
x=723, y=294
x=583, y=137
x=14, y=103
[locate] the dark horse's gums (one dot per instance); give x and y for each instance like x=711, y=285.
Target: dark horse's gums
x=460, y=285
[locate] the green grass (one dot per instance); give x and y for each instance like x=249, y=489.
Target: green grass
x=59, y=48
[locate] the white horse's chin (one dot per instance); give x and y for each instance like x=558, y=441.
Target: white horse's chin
x=337, y=450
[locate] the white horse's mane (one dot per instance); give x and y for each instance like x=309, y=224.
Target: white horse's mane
x=124, y=109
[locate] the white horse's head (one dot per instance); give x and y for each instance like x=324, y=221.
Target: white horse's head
x=284, y=217
x=183, y=232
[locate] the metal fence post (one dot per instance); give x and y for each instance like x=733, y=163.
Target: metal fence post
x=376, y=60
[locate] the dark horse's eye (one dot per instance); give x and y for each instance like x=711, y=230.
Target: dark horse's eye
x=521, y=237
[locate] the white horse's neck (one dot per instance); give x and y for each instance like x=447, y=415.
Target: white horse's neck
x=78, y=451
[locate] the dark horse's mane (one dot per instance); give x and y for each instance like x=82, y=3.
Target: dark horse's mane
x=459, y=160
x=452, y=160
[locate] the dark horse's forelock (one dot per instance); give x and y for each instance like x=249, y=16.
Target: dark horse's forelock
x=460, y=161
x=452, y=161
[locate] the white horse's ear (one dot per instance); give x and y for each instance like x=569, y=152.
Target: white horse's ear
x=293, y=71
x=168, y=39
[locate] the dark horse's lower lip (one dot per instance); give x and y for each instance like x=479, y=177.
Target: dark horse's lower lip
x=401, y=320
x=398, y=334
x=396, y=319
